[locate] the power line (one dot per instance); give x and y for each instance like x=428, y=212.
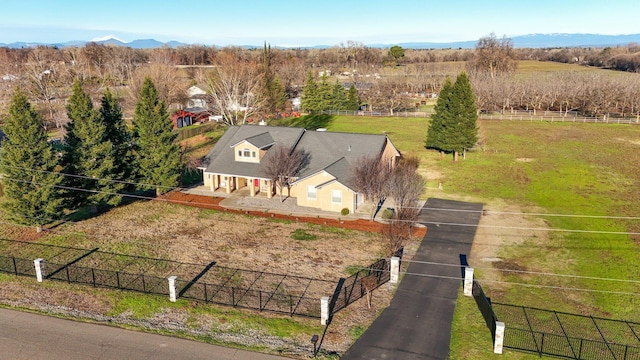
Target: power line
x=423, y=222
x=527, y=285
x=524, y=271
x=482, y=211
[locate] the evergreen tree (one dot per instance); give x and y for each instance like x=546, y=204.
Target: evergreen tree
x=353, y=102
x=89, y=155
x=442, y=113
x=324, y=93
x=28, y=165
x=453, y=126
x=119, y=135
x=467, y=112
x=338, y=97
x=309, y=99
x=158, y=156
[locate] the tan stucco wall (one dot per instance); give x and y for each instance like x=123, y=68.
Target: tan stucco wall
x=207, y=179
x=246, y=145
x=323, y=197
x=390, y=154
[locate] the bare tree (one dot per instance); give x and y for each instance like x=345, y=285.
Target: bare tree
x=234, y=88
x=282, y=165
x=369, y=177
x=405, y=186
x=494, y=56
x=171, y=86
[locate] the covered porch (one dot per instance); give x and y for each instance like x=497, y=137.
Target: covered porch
x=230, y=183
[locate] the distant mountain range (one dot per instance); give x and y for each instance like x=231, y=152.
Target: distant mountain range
x=524, y=41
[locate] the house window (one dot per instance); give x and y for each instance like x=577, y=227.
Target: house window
x=253, y=154
x=336, y=196
x=246, y=153
x=240, y=153
x=312, y=192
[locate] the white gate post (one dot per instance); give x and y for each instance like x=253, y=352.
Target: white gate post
x=468, y=281
x=324, y=310
x=395, y=270
x=39, y=265
x=497, y=345
x=172, y=288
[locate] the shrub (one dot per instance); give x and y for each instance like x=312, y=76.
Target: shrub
x=388, y=213
x=344, y=212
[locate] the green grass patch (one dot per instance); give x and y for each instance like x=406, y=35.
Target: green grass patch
x=140, y=306
x=356, y=331
x=353, y=269
x=302, y=235
x=279, y=221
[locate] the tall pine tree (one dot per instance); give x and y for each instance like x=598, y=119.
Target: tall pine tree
x=467, y=113
x=89, y=155
x=453, y=126
x=158, y=156
x=28, y=165
x=120, y=136
x=442, y=113
x=353, y=102
x=309, y=101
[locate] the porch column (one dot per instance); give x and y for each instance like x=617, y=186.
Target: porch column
x=228, y=185
x=236, y=183
x=216, y=182
x=252, y=187
x=270, y=191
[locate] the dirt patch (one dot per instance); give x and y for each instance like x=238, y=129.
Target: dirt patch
x=501, y=227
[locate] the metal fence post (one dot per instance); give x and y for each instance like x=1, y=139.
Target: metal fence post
x=93, y=277
x=15, y=267
x=499, y=339
x=39, y=265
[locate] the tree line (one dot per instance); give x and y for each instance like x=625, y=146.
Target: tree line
x=259, y=81
x=99, y=161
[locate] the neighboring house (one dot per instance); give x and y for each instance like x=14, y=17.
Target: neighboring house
x=325, y=182
x=189, y=116
x=197, y=97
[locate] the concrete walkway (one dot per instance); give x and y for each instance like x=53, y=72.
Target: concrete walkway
x=417, y=324
x=30, y=336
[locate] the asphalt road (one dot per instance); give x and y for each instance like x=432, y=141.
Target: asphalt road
x=30, y=336
x=417, y=324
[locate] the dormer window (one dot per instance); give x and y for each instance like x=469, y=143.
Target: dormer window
x=246, y=153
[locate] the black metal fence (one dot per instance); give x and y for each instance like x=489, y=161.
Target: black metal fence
x=355, y=287
x=571, y=336
x=485, y=307
x=293, y=295
x=17, y=266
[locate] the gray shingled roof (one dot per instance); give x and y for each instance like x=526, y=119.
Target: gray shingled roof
x=332, y=152
x=260, y=141
x=221, y=159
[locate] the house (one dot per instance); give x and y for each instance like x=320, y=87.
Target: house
x=325, y=182
x=189, y=116
x=197, y=97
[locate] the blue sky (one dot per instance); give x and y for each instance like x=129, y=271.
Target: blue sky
x=307, y=22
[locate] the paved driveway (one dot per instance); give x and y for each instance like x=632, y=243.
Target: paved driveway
x=417, y=324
